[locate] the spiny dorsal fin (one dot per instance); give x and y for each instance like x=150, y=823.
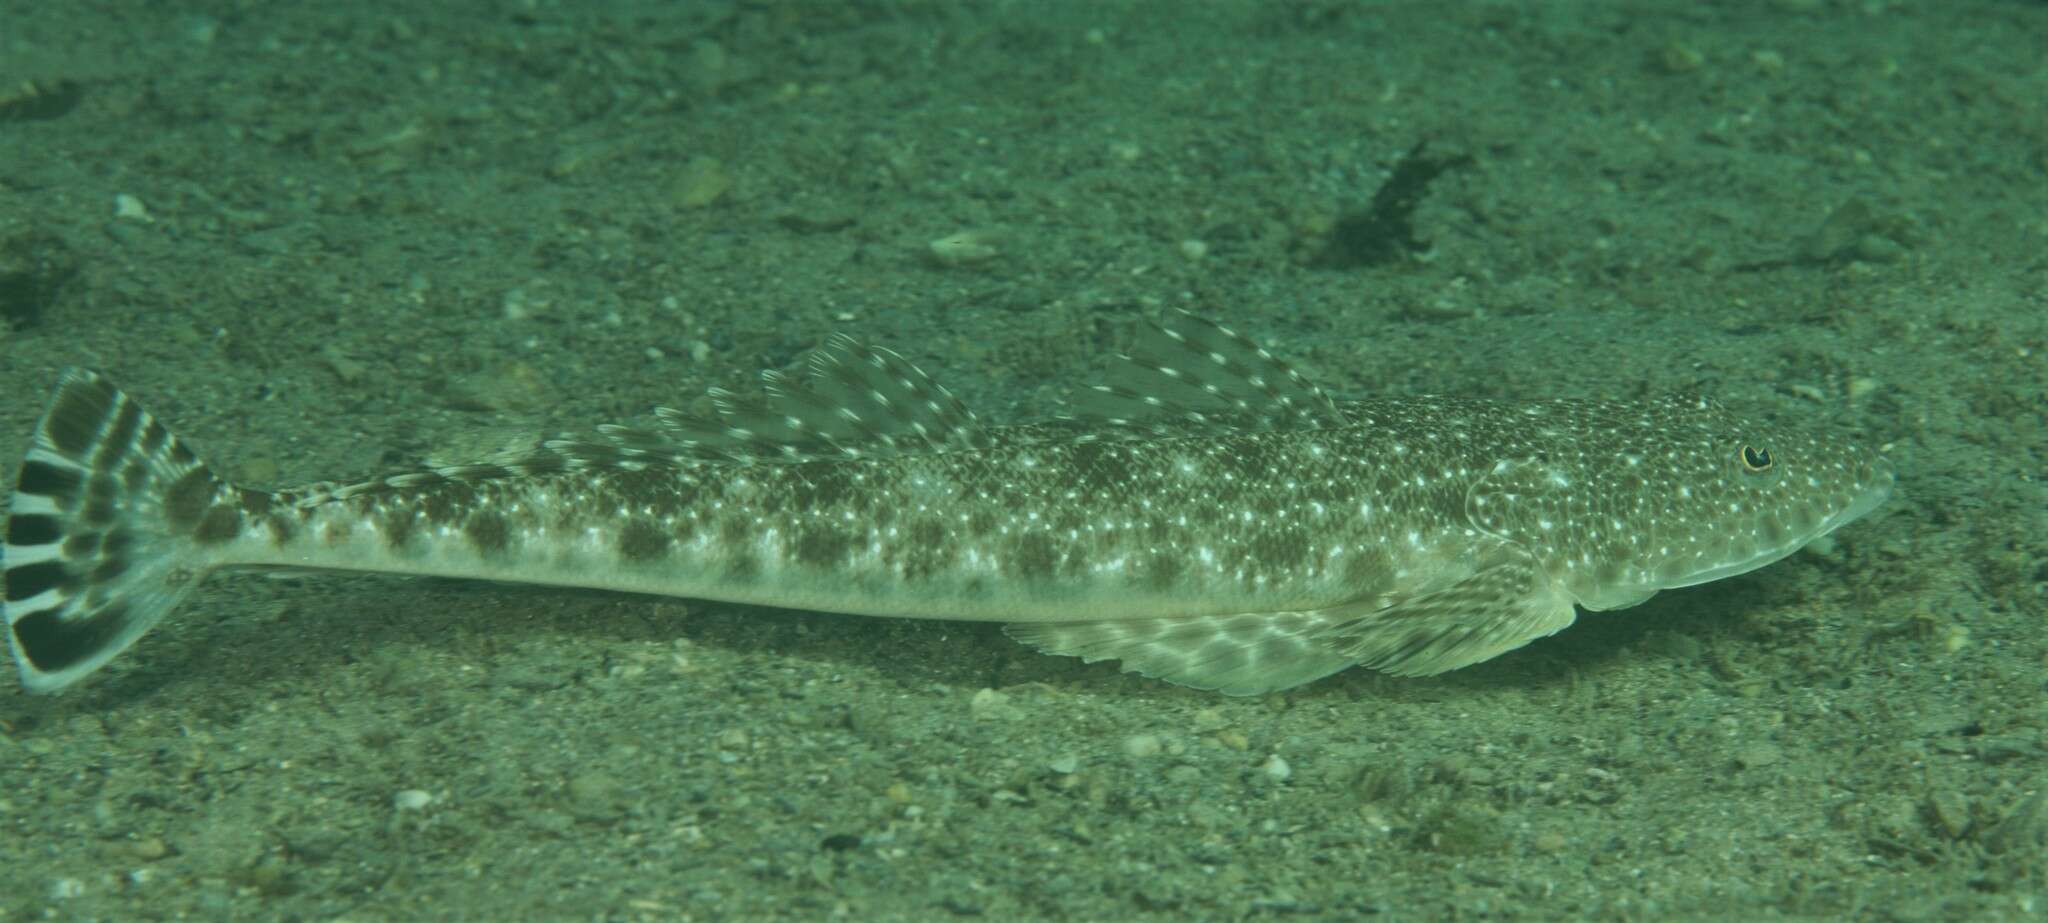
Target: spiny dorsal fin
x=856, y=401
x=1186, y=371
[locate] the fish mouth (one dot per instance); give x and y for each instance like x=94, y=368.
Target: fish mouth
x=1881, y=480
x=1877, y=489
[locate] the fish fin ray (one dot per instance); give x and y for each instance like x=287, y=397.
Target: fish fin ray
x=854, y=400
x=100, y=531
x=1187, y=372
x=1238, y=654
x=1506, y=603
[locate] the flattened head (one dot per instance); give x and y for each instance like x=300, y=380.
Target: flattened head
x=1621, y=500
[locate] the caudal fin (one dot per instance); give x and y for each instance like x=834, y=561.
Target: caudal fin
x=103, y=531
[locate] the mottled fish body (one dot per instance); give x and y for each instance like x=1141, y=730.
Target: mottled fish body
x=1209, y=517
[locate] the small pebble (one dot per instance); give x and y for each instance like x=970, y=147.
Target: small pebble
x=1757, y=755
x=411, y=799
x=2023, y=827
x=702, y=181
x=1680, y=58
x=988, y=703
x=1276, y=769
x=1951, y=810
x=149, y=848
x=595, y=796
x=1142, y=745
x=964, y=248
x=131, y=208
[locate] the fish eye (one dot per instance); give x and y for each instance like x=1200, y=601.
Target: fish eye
x=1755, y=458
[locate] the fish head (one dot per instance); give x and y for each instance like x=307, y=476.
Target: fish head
x=1620, y=500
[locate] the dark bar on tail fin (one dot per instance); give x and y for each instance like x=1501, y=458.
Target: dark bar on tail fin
x=99, y=536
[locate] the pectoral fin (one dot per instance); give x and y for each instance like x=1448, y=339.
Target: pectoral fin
x=1505, y=604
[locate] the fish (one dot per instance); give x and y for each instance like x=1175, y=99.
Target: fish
x=1206, y=515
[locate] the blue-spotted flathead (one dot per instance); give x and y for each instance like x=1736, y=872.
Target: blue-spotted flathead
x=1209, y=517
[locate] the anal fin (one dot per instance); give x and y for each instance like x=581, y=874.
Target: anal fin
x=1236, y=654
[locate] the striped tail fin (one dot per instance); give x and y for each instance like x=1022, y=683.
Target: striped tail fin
x=101, y=531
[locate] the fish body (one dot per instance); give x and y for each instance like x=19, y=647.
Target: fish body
x=1208, y=517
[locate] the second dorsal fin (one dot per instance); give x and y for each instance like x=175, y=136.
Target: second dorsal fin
x=1185, y=372
x=855, y=401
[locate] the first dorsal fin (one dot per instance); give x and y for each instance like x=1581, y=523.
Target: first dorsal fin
x=1185, y=372
x=856, y=400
